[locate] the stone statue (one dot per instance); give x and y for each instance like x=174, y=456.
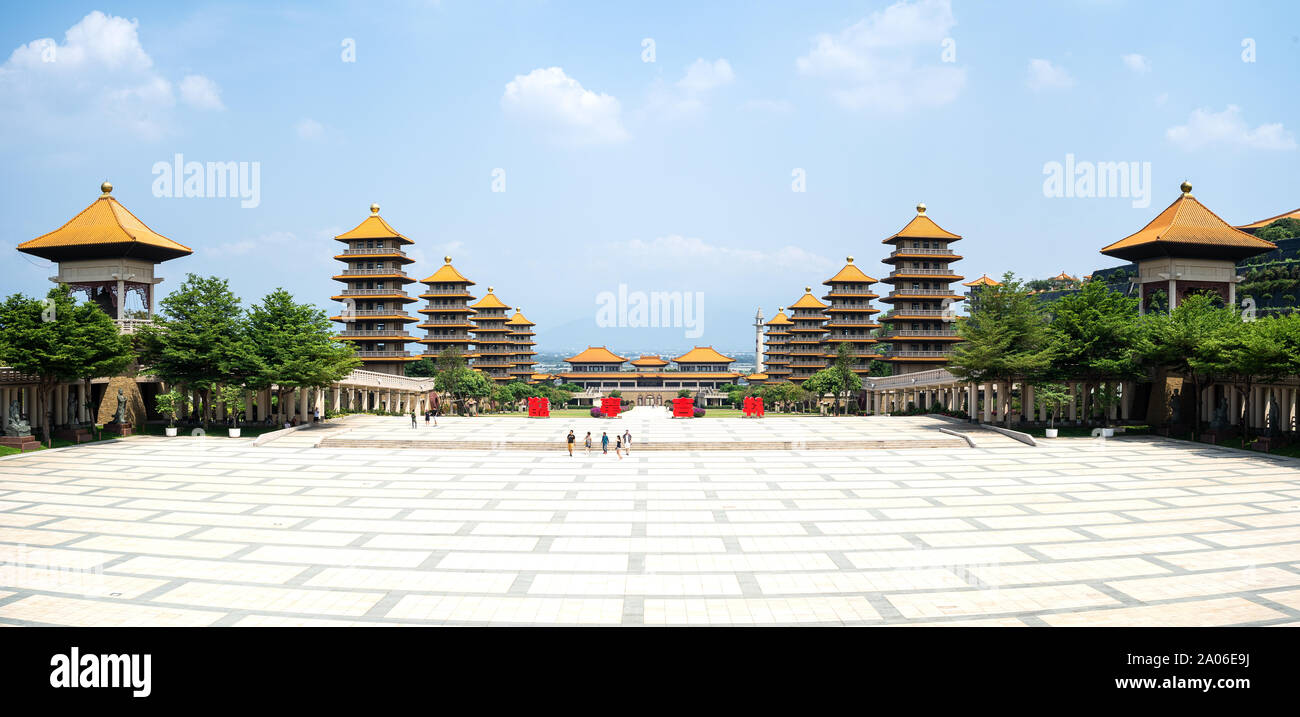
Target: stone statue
x=16, y=426
x=1220, y=419
x=119, y=416
x=72, y=410
x=1273, y=416
x=1176, y=407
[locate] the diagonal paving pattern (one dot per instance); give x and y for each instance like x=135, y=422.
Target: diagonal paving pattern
x=186, y=531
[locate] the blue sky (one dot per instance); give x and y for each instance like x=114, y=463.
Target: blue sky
x=671, y=175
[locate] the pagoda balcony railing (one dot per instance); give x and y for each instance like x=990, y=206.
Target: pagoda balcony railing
x=448, y=307
x=359, y=313
x=931, y=252
x=806, y=363
x=130, y=326
x=920, y=272
x=920, y=292
x=920, y=333
x=447, y=322
x=918, y=354
x=372, y=292
x=374, y=252
x=382, y=354
x=852, y=292
x=851, y=306
x=374, y=272
x=362, y=333
x=940, y=313
x=457, y=338
x=852, y=322
x=436, y=292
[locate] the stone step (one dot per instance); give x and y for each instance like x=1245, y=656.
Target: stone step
x=666, y=446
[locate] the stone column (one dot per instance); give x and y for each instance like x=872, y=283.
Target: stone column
x=81, y=403
x=1073, y=390
x=302, y=405
x=988, y=402
x=338, y=398
x=1027, y=401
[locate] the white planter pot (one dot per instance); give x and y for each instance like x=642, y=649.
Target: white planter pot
x=1108, y=433
x=234, y=433
x=1051, y=432
x=171, y=431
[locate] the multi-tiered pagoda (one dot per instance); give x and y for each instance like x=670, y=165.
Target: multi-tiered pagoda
x=374, y=294
x=807, y=341
x=493, y=349
x=521, y=339
x=778, y=348
x=920, y=329
x=446, y=314
x=850, y=313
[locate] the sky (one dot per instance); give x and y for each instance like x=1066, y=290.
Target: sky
x=567, y=152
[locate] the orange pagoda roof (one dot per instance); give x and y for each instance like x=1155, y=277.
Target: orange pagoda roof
x=649, y=361
x=922, y=227
x=1188, y=228
x=518, y=319
x=447, y=274
x=1265, y=222
x=807, y=301
x=983, y=281
x=489, y=301
x=104, y=229
x=374, y=227
x=596, y=354
x=1063, y=277
x=780, y=319
x=703, y=354
x=756, y=377
x=850, y=273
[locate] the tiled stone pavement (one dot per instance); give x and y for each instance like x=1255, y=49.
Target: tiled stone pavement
x=152, y=531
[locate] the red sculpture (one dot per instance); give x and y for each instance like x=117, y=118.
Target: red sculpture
x=610, y=407
x=539, y=408
x=683, y=408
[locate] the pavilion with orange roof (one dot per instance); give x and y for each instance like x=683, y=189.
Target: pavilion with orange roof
x=849, y=315
x=920, y=331
x=1186, y=249
x=650, y=383
x=446, y=314
x=374, y=294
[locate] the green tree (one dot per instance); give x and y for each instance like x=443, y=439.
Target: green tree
x=1004, y=338
x=59, y=341
x=1097, y=335
x=200, y=340
x=295, y=348
x=1185, y=341
x=1257, y=352
x=424, y=368
x=848, y=381
x=1285, y=228
x=169, y=404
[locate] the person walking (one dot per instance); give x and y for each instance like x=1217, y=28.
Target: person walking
x=604, y=443
x=586, y=442
x=627, y=441
x=618, y=447
x=427, y=414
x=570, y=441
x=413, y=425
x=435, y=413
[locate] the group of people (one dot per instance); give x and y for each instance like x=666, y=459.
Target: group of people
x=622, y=444
x=429, y=415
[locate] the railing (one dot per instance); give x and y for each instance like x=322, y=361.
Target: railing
x=464, y=294
x=382, y=354
x=920, y=272
x=375, y=312
x=374, y=272
x=919, y=332
x=447, y=322
x=373, y=252
x=374, y=292
x=360, y=333
x=920, y=292
x=917, y=354
x=851, y=322
x=932, y=252
x=130, y=326
x=941, y=313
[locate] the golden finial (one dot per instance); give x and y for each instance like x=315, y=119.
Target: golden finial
x=807, y=290
x=489, y=290
x=1187, y=188
x=374, y=209
x=106, y=188
x=920, y=208
x=780, y=309
x=849, y=258
x=446, y=259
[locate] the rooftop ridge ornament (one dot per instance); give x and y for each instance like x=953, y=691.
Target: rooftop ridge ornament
x=920, y=208
x=374, y=209
x=106, y=188
x=1186, y=186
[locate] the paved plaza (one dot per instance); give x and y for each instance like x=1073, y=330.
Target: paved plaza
x=191, y=531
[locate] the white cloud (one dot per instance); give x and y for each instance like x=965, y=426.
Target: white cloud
x=682, y=252
x=773, y=106
x=563, y=108
x=201, y=93
x=309, y=129
x=689, y=95
x=99, y=78
x=1043, y=75
x=890, y=60
x=1227, y=128
x=1137, y=63
x=263, y=243
x=703, y=76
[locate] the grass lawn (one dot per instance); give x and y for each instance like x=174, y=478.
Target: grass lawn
x=58, y=443
x=1083, y=431
x=213, y=431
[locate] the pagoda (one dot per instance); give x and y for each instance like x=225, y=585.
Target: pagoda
x=493, y=350
x=1186, y=249
x=446, y=312
x=111, y=256
x=705, y=360
x=920, y=330
x=850, y=319
x=778, y=347
x=374, y=294
x=977, y=286
x=521, y=340
x=806, y=344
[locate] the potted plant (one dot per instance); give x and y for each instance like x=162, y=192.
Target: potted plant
x=168, y=404
x=234, y=397
x=1051, y=394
